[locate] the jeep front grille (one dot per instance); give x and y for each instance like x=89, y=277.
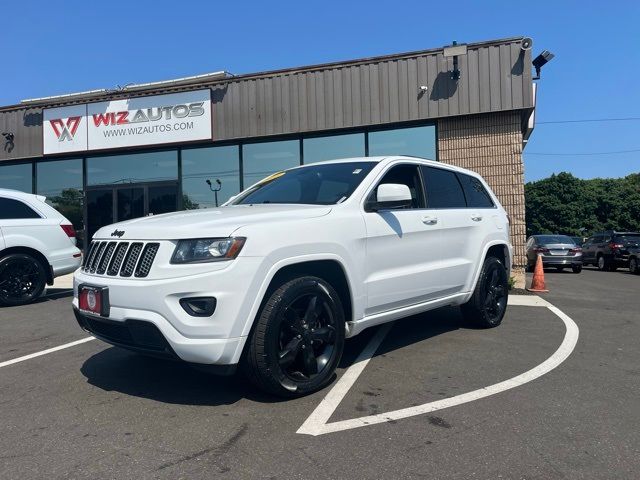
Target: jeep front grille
x=122, y=259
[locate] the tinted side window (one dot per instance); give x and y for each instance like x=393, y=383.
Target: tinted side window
x=12, y=209
x=477, y=195
x=443, y=188
x=406, y=175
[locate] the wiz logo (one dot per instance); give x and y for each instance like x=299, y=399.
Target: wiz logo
x=65, y=131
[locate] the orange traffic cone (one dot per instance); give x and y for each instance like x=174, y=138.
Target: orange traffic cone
x=537, y=283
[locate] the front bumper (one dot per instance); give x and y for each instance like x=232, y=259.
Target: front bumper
x=217, y=339
x=138, y=336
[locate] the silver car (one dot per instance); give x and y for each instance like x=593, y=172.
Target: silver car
x=559, y=251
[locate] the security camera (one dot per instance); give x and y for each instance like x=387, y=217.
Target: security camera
x=526, y=43
x=423, y=88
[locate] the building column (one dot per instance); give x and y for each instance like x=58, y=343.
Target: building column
x=491, y=145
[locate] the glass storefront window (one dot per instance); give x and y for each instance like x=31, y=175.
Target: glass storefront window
x=132, y=168
x=16, y=177
x=260, y=160
x=417, y=141
x=211, y=163
x=317, y=149
x=61, y=182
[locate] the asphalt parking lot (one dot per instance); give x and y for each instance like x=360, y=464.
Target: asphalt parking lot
x=95, y=411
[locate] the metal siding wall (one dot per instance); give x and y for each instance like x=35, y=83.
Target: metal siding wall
x=494, y=77
x=26, y=126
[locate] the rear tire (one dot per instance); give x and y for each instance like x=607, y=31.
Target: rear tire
x=488, y=304
x=634, y=266
x=298, y=339
x=22, y=279
x=576, y=268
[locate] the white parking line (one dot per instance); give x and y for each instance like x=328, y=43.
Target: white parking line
x=317, y=423
x=45, y=352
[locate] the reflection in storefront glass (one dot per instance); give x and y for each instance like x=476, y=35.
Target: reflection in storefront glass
x=132, y=168
x=212, y=163
x=416, y=141
x=16, y=177
x=317, y=149
x=61, y=182
x=259, y=160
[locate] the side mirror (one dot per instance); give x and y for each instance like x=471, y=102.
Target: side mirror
x=392, y=195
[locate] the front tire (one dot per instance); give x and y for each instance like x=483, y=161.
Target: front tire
x=603, y=264
x=22, y=279
x=488, y=304
x=298, y=339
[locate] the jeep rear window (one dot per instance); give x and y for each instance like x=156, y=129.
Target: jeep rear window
x=324, y=184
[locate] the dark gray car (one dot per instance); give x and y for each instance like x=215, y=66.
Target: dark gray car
x=559, y=251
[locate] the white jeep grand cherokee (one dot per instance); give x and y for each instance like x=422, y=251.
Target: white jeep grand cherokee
x=276, y=279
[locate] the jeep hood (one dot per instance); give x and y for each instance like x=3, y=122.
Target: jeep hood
x=211, y=222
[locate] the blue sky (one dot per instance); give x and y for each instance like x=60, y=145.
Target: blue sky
x=51, y=48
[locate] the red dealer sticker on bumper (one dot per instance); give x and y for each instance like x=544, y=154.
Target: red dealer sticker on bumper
x=93, y=300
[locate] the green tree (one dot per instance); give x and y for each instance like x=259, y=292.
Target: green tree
x=563, y=203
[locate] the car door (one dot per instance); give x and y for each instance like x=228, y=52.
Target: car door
x=403, y=247
x=464, y=210
x=588, y=250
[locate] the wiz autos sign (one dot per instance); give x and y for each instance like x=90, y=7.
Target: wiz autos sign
x=179, y=117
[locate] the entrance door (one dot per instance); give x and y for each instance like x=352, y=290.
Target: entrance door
x=106, y=205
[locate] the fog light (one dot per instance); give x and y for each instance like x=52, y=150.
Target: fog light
x=199, y=306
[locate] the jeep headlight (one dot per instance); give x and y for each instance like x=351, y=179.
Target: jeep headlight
x=200, y=250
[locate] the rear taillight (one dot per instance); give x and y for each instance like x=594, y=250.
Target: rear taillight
x=69, y=230
x=615, y=246
x=541, y=250
x=576, y=250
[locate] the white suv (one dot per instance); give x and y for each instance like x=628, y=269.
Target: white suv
x=277, y=278
x=37, y=244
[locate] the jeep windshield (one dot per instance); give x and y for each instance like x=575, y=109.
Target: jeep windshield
x=323, y=184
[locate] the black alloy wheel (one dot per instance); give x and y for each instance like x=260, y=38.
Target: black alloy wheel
x=298, y=338
x=488, y=304
x=22, y=279
x=307, y=337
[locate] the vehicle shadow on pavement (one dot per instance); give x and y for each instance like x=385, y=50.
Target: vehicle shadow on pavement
x=418, y=328
x=55, y=294
x=115, y=369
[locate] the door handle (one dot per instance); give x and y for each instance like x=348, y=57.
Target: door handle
x=429, y=220
x=476, y=217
